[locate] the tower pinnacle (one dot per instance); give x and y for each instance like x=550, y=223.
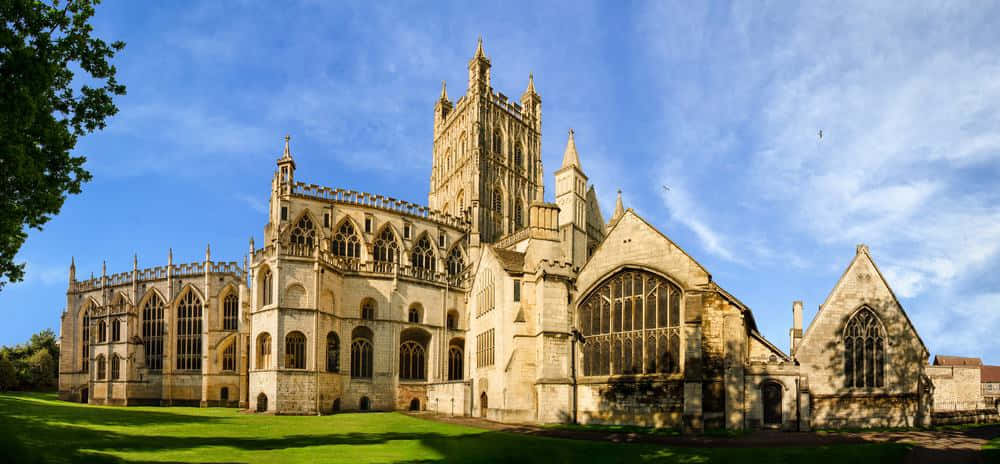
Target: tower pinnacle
x=444, y=91
x=479, y=49
x=531, y=84
x=619, y=208
x=570, y=157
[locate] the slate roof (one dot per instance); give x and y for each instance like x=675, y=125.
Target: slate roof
x=512, y=261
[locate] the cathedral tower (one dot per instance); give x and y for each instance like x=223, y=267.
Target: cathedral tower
x=571, y=196
x=487, y=161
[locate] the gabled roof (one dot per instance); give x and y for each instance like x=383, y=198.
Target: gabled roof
x=989, y=374
x=862, y=253
x=629, y=211
x=945, y=360
x=757, y=335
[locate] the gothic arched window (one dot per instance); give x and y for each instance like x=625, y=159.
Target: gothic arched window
x=368, y=309
x=116, y=367
x=116, y=330
x=102, y=367
x=497, y=201
x=455, y=262
x=518, y=156
x=189, y=333
x=422, y=256
x=497, y=142
x=230, y=310
x=631, y=324
x=267, y=287
x=263, y=351
x=455, y=358
x=102, y=332
x=345, y=242
x=386, y=249
x=332, y=352
x=412, y=361
x=413, y=315
x=295, y=350
x=85, y=339
x=864, y=351
x=518, y=216
x=303, y=234
x=152, y=332
x=361, y=353
x=229, y=358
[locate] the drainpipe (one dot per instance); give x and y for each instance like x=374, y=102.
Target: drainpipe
x=574, y=337
x=798, y=407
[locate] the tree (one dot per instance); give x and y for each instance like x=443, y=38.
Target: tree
x=44, y=110
x=42, y=373
x=8, y=376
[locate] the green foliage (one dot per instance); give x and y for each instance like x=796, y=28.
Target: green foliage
x=35, y=364
x=38, y=428
x=8, y=375
x=44, y=108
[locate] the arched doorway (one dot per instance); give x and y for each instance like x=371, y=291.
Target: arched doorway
x=261, y=402
x=483, y=404
x=336, y=405
x=224, y=394
x=772, y=404
x=415, y=404
x=366, y=404
x=84, y=395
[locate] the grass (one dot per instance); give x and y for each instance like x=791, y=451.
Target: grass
x=39, y=428
x=991, y=451
x=639, y=430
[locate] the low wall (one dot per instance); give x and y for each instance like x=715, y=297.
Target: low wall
x=974, y=416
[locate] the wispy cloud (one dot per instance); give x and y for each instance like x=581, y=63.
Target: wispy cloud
x=254, y=202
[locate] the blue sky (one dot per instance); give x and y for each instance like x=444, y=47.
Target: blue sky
x=721, y=102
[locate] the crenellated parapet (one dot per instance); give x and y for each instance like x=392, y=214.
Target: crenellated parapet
x=157, y=273
x=352, y=197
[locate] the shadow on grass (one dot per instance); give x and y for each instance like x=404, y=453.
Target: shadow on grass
x=43, y=430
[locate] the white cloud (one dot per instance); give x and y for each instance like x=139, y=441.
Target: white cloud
x=253, y=202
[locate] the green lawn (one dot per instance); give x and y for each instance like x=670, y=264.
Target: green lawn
x=39, y=428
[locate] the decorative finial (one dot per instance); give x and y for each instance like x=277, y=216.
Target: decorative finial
x=288, y=151
x=862, y=248
x=619, y=207
x=170, y=256
x=444, y=91
x=72, y=262
x=208, y=252
x=479, y=48
x=531, y=86
x=135, y=260
x=104, y=268
x=570, y=157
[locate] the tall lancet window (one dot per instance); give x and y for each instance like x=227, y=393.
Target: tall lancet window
x=303, y=235
x=152, y=332
x=864, y=351
x=189, y=333
x=455, y=262
x=386, y=249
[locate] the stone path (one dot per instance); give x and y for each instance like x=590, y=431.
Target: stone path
x=930, y=446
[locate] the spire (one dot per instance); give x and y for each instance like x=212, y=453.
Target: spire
x=288, y=152
x=531, y=84
x=208, y=252
x=72, y=269
x=170, y=256
x=570, y=158
x=444, y=91
x=619, y=209
x=479, y=49
x=135, y=261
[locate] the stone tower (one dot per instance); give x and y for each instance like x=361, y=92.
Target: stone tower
x=571, y=192
x=487, y=155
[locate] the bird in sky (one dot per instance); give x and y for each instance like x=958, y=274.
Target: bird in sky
x=666, y=188
x=821, y=134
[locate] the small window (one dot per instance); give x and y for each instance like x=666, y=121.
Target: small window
x=414, y=315
x=368, y=225
x=368, y=310
x=407, y=230
x=442, y=240
x=517, y=290
x=326, y=219
x=284, y=213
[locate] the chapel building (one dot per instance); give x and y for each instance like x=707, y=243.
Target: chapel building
x=488, y=302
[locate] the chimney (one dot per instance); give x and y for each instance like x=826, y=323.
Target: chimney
x=796, y=332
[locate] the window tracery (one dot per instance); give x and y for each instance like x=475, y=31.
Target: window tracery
x=386, y=248
x=263, y=351
x=864, y=351
x=518, y=156
x=230, y=310
x=229, y=358
x=116, y=330
x=455, y=359
x=412, y=361
x=456, y=264
x=295, y=351
x=189, y=332
x=101, y=367
x=345, y=241
x=631, y=325
x=85, y=339
x=152, y=332
x=422, y=256
x=361, y=353
x=267, y=287
x=116, y=367
x=303, y=235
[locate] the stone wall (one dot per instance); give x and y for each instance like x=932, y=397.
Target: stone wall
x=956, y=388
x=645, y=402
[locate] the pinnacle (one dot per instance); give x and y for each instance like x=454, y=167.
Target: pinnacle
x=531, y=84
x=288, y=152
x=479, y=49
x=619, y=208
x=444, y=91
x=570, y=157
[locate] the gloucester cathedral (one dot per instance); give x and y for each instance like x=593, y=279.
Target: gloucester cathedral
x=487, y=301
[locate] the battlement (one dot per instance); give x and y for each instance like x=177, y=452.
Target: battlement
x=352, y=197
x=158, y=273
